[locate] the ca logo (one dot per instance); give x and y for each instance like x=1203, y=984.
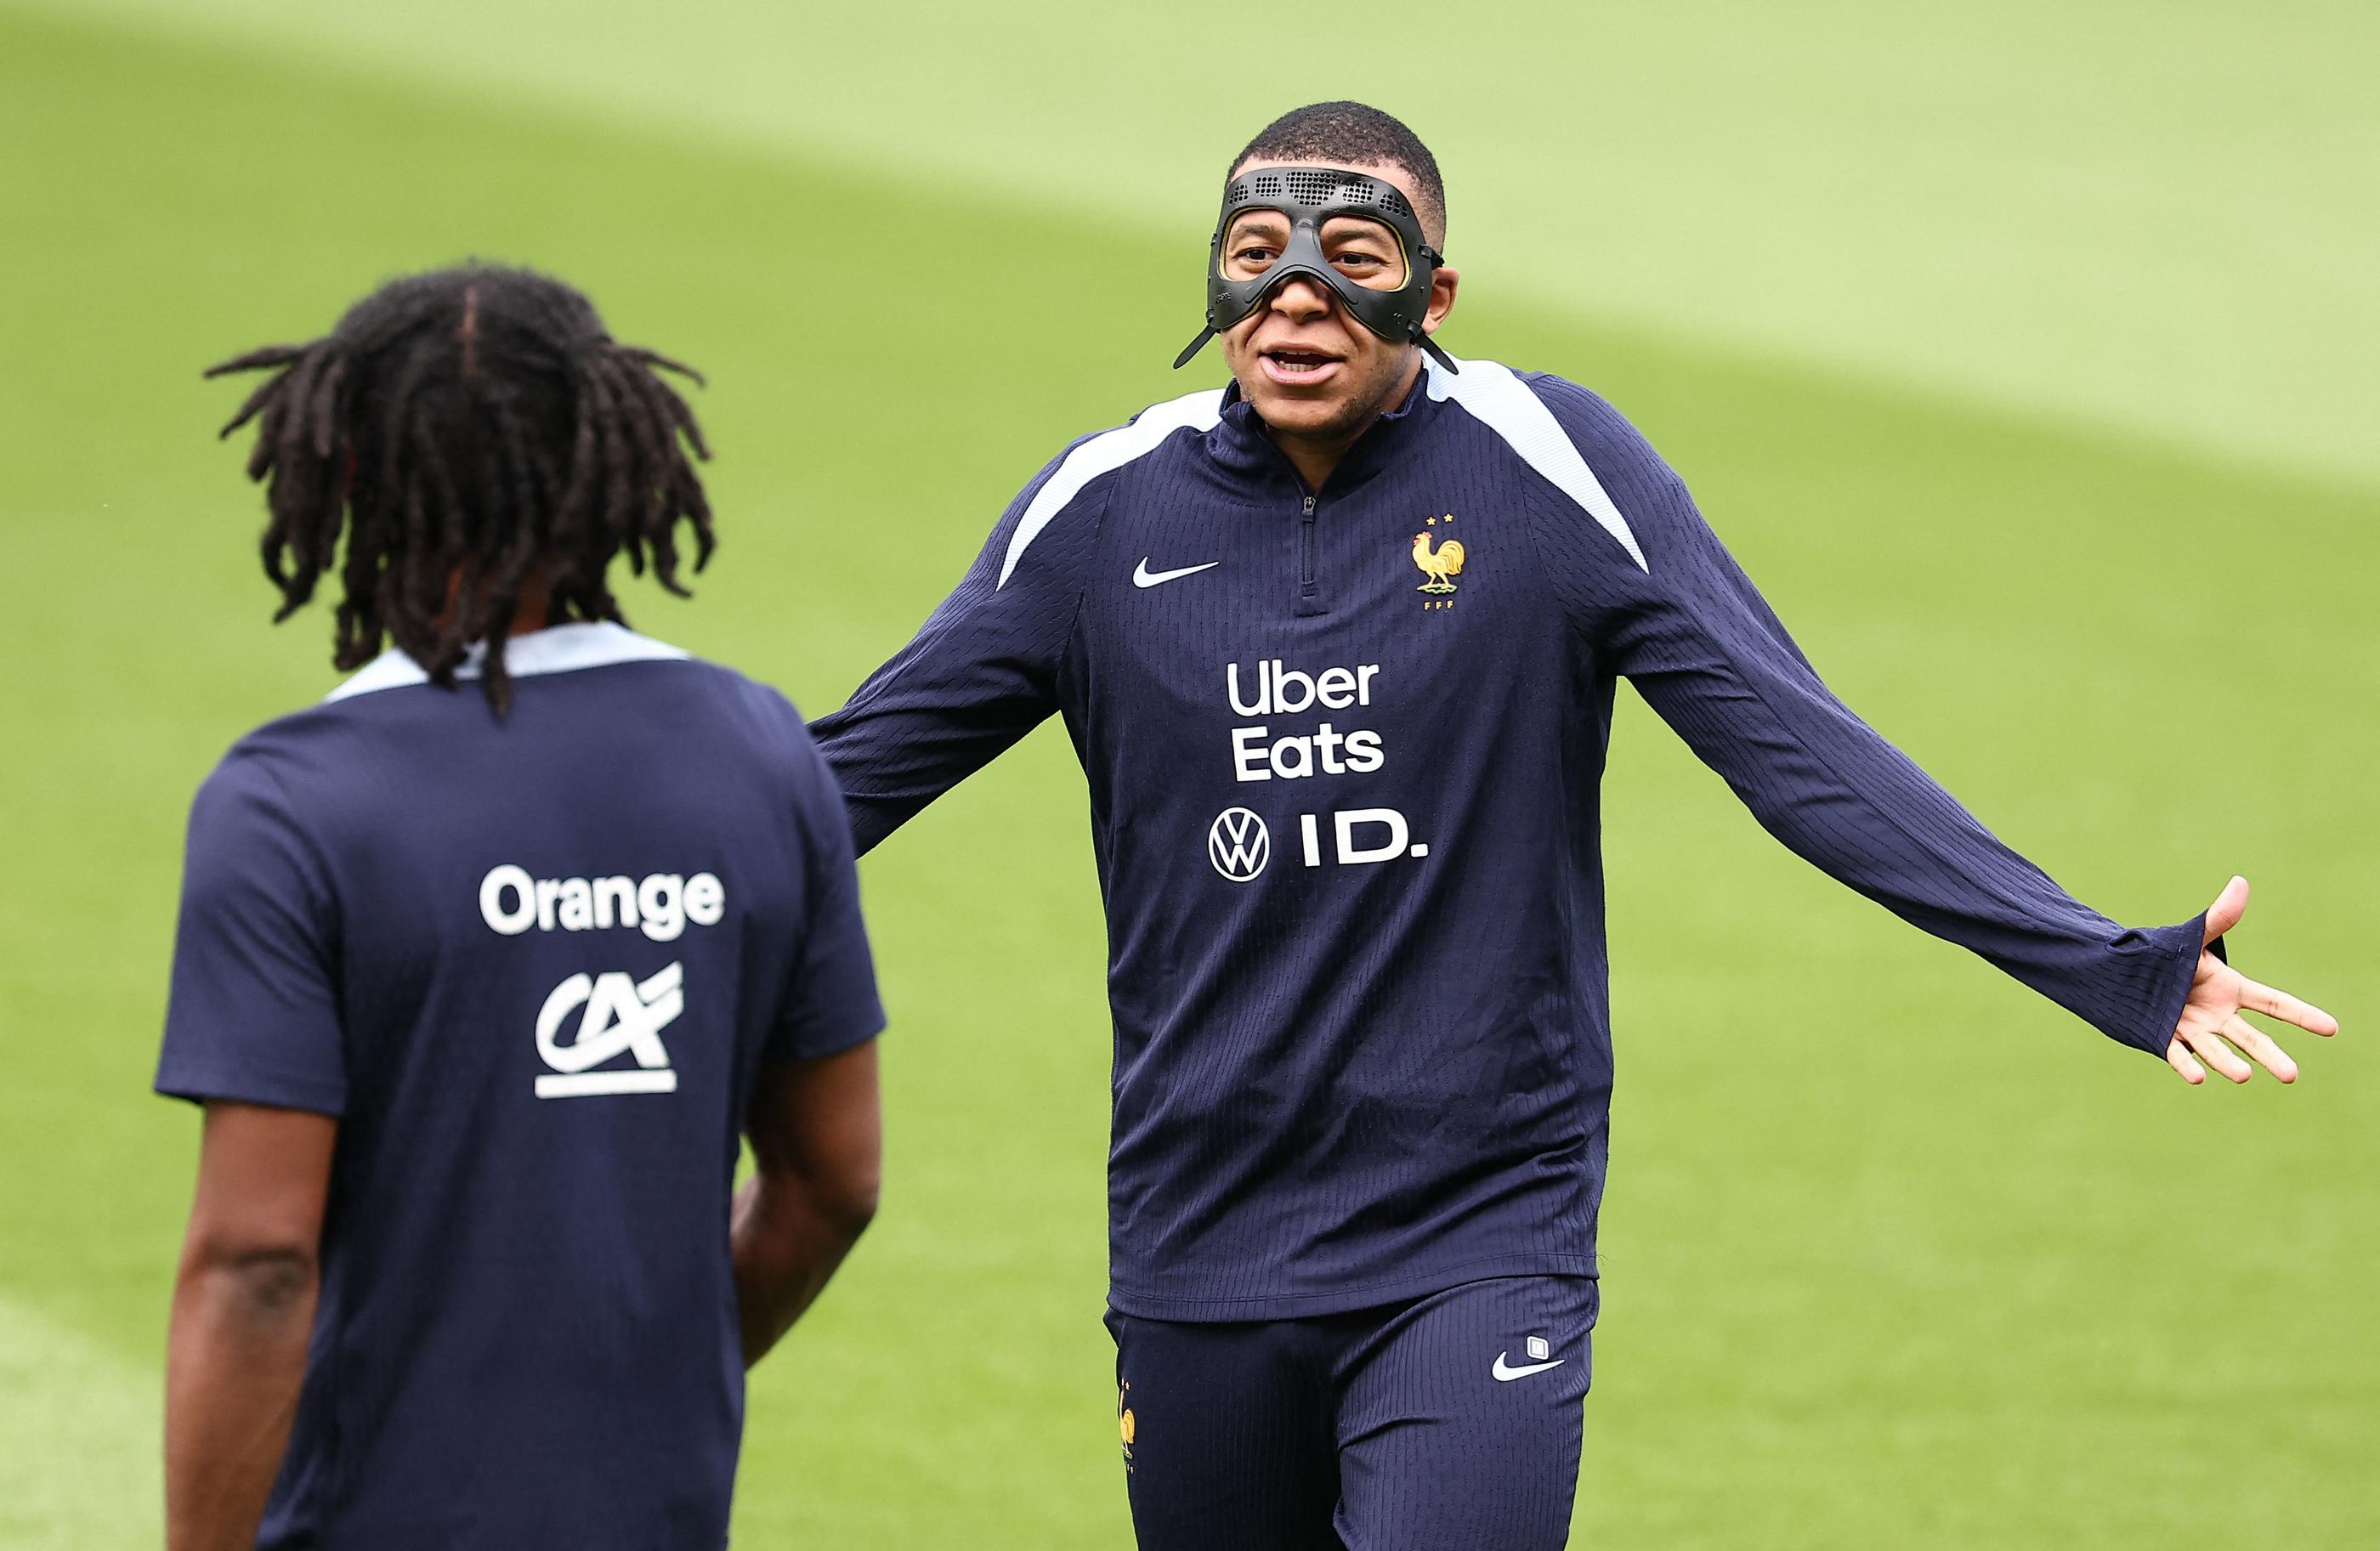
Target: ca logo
x=622, y=1016
x=1239, y=844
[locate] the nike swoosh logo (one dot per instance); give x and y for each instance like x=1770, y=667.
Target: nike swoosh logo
x=1143, y=577
x=1504, y=1375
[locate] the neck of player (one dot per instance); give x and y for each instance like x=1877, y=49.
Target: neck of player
x=532, y=607
x=1315, y=457
x=534, y=610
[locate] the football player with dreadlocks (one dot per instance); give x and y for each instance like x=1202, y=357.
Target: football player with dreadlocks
x=1337, y=645
x=479, y=986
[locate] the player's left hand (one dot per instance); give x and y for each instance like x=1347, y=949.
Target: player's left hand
x=2211, y=1026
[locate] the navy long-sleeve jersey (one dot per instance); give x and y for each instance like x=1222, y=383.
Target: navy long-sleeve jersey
x=1345, y=753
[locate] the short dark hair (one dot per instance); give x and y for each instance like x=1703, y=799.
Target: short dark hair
x=1346, y=133
x=474, y=431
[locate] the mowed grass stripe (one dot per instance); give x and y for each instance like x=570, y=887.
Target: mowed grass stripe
x=78, y=1439
x=1876, y=1215
x=2128, y=209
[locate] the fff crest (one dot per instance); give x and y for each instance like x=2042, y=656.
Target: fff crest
x=1440, y=563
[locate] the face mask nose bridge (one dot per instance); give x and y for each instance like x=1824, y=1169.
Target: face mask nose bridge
x=1300, y=256
x=1310, y=197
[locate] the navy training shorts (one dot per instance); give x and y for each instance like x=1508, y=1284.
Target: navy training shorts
x=1449, y=1423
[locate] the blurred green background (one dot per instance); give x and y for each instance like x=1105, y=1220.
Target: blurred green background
x=2028, y=355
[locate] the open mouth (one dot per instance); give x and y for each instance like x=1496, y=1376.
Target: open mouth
x=1297, y=366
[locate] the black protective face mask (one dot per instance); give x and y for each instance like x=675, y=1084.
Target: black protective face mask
x=1309, y=197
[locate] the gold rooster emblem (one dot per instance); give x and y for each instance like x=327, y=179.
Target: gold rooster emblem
x=1441, y=563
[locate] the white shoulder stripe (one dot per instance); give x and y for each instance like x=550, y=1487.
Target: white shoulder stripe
x=1108, y=449
x=560, y=649
x=1502, y=402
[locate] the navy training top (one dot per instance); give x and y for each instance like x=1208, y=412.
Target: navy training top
x=1344, y=752
x=532, y=964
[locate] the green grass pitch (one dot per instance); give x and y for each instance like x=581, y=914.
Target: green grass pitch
x=1896, y=1255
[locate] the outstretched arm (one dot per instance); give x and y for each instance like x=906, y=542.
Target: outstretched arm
x=981, y=672
x=1720, y=670
x=1691, y=632
x=1710, y=657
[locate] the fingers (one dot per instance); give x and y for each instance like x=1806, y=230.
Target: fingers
x=2193, y=1049
x=2209, y=1047
x=2260, y=1048
x=2229, y=907
x=2263, y=998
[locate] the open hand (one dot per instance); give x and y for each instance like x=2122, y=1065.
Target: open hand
x=2211, y=1026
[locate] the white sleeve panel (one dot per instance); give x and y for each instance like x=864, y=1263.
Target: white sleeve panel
x=1108, y=450
x=1498, y=399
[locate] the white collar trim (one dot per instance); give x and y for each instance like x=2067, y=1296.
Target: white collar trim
x=1497, y=398
x=559, y=648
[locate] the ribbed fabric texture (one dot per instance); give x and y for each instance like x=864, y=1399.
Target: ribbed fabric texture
x=1705, y=651
x=1370, y=1058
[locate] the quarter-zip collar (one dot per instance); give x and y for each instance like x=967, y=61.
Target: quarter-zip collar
x=1239, y=442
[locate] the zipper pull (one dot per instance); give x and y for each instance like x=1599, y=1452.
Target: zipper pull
x=1307, y=588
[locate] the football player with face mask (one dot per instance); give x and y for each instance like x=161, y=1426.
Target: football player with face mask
x=1337, y=646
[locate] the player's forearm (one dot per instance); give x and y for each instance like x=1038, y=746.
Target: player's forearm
x=789, y=1236
x=1846, y=800
x=1711, y=658
x=235, y=1359
x=862, y=750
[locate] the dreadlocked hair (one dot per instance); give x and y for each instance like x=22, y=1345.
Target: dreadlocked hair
x=477, y=435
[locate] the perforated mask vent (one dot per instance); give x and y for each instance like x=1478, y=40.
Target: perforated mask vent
x=1302, y=187
x=1315, y=189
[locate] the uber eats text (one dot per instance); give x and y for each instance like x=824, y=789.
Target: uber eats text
x=1278, y=690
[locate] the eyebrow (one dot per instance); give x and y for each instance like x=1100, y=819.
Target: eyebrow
x=1352, y=225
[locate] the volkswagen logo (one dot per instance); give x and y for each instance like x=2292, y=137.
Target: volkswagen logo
x=1239, y=844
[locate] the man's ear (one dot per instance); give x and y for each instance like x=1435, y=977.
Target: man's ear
x=1442, y=286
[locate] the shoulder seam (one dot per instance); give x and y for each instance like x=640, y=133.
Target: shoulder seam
x=1486, y=392
x=1103, y=453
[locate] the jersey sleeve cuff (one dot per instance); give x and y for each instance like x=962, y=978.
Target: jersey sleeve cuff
x=2177, y=950
x=201, y=1082
x=816, y=1043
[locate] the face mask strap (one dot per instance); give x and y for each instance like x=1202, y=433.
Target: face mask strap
x=1193, y=348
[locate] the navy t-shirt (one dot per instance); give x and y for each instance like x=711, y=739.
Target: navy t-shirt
x=532, y=964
